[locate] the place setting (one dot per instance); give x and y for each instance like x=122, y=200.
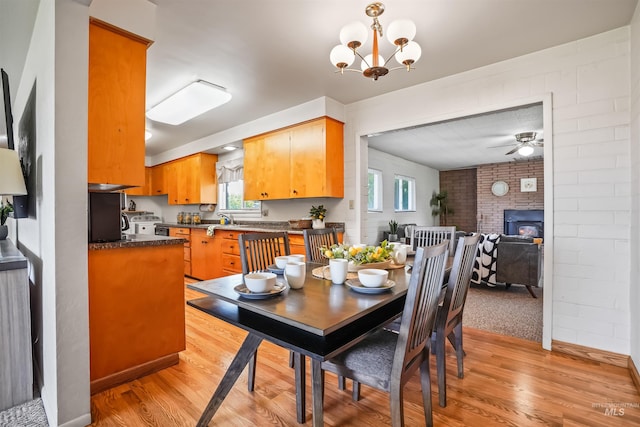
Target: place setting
x=260, y=285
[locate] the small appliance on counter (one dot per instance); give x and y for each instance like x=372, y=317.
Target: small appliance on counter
x=144, y=224
x=105, y=217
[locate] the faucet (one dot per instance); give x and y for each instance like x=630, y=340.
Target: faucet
x=227, y=217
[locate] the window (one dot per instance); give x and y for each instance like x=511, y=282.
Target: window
x=231, y=197
x=375, y=191
x=404, y=198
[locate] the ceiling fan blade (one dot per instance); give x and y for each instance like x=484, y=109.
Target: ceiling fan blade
x=512, y=151
x=537, y=144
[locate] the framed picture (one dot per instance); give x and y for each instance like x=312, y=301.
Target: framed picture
x=528, y=184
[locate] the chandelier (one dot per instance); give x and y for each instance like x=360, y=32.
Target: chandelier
x=400, y=33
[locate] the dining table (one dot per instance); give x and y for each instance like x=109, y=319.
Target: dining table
x=318, y=321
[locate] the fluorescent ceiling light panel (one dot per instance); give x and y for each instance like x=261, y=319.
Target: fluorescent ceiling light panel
x=189, y=102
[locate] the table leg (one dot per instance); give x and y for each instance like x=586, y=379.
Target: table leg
x=299, y=365
x=248, y=348
x=317, y=385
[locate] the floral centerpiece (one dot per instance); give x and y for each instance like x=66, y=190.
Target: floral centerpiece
x=361, y=255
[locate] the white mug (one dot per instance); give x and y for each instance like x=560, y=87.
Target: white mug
x=295, y=258
x=338, y=268
x=400, y=254
x=294, y=273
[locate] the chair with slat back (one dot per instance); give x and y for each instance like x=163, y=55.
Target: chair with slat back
x=448, y=325
x=258, y=251
x=314, y=239
x=386, y=360
x=433, y=235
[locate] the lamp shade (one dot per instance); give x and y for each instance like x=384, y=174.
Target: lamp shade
x=11, y=178
x=409, y=54
x=341, y=56
x=401, y=31
x=525, y=150
x=354, y=34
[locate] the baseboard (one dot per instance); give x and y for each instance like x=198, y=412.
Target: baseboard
x=635, y=376
x=594, y=354
x=138, y=371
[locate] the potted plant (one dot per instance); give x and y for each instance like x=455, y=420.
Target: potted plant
x=393, y=231
x=5, y=210
x=317, y=214
x=440, y=205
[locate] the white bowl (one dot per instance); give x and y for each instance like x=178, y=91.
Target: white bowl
x=260, y=282
x=373, y=277
x=281, y=261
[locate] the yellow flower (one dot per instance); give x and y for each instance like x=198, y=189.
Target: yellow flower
x=328, y=254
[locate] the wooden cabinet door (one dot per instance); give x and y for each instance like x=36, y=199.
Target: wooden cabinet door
x=116, y=109
x=171, y=172
x=158, y=184
x=203, y=255
x=308, y=160
x=192, y=180
x=267, y=167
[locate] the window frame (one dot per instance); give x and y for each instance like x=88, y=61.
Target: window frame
x=222, y=202
x=377, y=189
x=397, y=196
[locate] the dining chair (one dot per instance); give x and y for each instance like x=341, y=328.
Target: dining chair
x=314, y=239
x=386, y=360
x=258, y=251
x=449, y=317
x=433, y=235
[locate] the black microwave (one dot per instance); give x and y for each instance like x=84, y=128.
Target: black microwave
x=104, y=217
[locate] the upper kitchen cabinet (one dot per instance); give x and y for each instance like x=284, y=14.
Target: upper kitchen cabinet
x=192, y=180
x=117, y=84
x=146, y=189
x=305, y=160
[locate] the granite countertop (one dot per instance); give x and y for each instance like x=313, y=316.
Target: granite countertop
x=138, y=240
x=10, y=257
x=253, y=226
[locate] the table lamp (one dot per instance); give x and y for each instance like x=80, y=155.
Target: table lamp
x=11, y=178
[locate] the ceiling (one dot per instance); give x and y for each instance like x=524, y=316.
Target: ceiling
x=274, y=54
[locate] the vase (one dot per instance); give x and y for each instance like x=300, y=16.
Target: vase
x=317, y=223
x=393, y=238
x=4, y=232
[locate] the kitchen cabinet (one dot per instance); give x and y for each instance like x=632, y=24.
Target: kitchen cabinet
x=296, y=244
x=116, y=108
x=205, y=256
x=192, y=180
x=301, y=161
x=184, y=233
x=146, y=189
x=136, y=312
x=230, y=250
x=158, y=181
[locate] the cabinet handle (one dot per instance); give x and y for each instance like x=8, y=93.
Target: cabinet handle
x=295, y=192
x=231, y=263
x=204, y=242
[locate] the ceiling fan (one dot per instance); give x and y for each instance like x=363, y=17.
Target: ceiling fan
x=526, y=143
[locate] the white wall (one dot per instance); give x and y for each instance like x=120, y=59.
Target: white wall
x=589, y=82
x=56, y=242
x=634, y=294
x=427, y=181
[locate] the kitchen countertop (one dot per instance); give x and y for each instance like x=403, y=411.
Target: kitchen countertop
x=138, y=240
x=253, y=226
x=10, y=257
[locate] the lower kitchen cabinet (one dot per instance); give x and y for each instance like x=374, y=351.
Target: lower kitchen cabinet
x=184, y=233
x=230, y=249
x=296, y=244
x=205, y=256
x=136, y=312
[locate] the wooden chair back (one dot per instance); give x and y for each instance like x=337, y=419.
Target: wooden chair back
x=458, y=285
x=419, y=314
x=314, y=239
x=258, y=251
x=433, y=235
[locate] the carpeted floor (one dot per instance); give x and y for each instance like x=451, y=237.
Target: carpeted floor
x=504, y=311
x=29, y=414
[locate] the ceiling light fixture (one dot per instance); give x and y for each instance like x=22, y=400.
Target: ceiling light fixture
x=229, y=147
x=189, y=102
x=525, y=150
x=400, y=33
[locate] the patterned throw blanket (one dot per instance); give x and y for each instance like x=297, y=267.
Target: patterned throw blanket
x=484, y=266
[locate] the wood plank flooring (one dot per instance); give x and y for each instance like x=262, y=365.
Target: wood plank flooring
x=508, y=382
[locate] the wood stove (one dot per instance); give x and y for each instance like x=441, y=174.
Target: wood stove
x=524, y=222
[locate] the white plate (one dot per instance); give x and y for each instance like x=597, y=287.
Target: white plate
x=275, y=270
x=242, y=290
x=355, y=285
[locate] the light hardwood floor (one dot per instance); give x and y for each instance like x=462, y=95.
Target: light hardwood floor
x=508, y=382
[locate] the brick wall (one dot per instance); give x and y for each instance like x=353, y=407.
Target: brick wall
x=461, y=188
x=491, y=208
